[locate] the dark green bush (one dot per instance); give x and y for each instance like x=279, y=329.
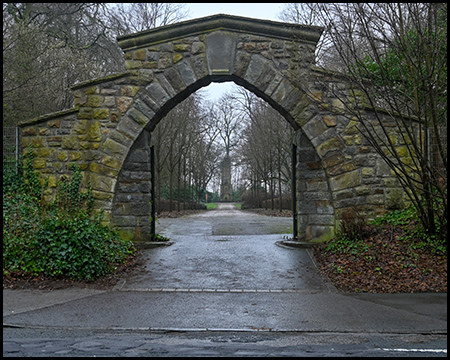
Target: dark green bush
x=63, y=238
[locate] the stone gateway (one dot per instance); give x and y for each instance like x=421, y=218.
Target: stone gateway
x=107, y=132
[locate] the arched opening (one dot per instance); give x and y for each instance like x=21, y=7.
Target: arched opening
x=132, y=200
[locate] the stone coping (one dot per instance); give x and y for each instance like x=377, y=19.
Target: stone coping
x=233, y=23
x=47, y=117
x=100, y=80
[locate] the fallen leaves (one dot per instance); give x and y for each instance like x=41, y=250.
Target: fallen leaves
x=389, y=265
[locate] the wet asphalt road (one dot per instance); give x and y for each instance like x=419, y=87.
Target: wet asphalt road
x=224, y=288
x=227, y=249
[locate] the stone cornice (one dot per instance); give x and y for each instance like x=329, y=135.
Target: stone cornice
x=47, y=117
x=100, y=80
x=207, y=24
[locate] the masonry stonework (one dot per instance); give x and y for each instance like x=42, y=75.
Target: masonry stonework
x=107, y=132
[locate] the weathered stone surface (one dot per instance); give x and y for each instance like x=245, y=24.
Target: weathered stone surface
x=108, y=133
x=345, y=181
x=123, y=104
x=220, y=51
x=112, y=147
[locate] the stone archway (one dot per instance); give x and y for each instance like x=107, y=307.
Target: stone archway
x=108, y=131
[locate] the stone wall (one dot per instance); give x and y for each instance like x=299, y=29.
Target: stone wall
x=107, y=132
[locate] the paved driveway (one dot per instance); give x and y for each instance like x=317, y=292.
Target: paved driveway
x=227, y=249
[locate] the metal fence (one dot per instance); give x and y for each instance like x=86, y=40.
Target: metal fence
x=10, y=148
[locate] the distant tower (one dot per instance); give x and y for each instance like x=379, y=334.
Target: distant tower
x=226, y=192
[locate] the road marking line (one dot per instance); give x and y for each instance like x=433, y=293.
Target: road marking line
x=418, y=350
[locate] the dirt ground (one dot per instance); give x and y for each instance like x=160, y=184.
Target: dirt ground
x=390, y=265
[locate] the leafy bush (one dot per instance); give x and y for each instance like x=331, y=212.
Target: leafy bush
x=63, y=238
x=349, y=236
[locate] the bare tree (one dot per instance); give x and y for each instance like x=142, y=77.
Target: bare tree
x=266, y=149
x=48, y=47
x=186, y=151
x=128, y=18
x=396, y=54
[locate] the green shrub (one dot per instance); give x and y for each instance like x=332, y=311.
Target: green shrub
x=63, y=238
x=349, y=235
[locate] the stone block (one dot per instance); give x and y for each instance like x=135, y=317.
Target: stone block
x=220, y=52
x=314, y=127
x=63, y=156
x=186, y=72
x=103, y=170
x=174, y=79
x=332, y=144
x=241, y=63
x=39, y=163
x=74, y=156
x=133, y=64
x=345, y=181
x=100, y=195
x=367, y=172
x=255, y=68
x=92, y=90
x=44, y=132
x=29, y=131
x=102, y=183
x=123, y=104
x=85, y=113
x=129, y=127
x=125, y=221
x=94, y=101
x=165, y=60
x=177, y=57
x=80, y=127
x=129, y=90
x=70, y=142
x=199, y=65
x=330, y=120
x=101, y=113
x=139, y=54
x=94, y=131
x=111, y=162
x=138, y=117
x=112, y=147
x=197, y=47
x=157, y=93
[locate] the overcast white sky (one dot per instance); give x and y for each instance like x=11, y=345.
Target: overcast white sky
x=266, y=11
